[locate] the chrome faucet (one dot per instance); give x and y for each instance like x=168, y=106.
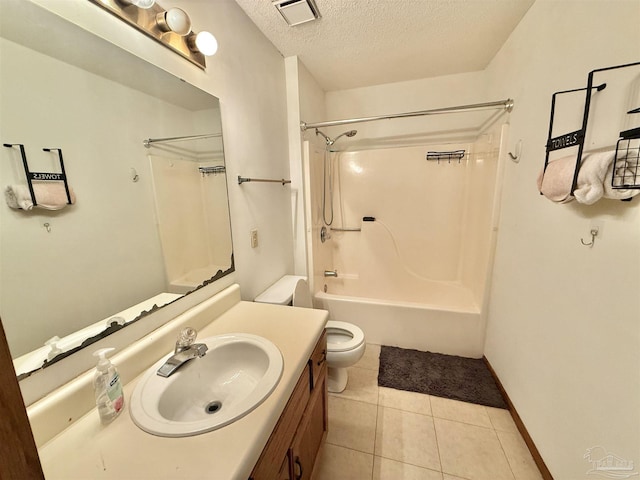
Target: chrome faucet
x=185, y=350
x=331, y=273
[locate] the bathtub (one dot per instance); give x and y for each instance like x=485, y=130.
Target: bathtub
x=440, y=317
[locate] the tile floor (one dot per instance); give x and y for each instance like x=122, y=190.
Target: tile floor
x=378, y=433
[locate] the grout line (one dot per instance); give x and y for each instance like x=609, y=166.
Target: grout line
x=375, y=429
x=414, y=465
x=350, y=448
x=513, y=474
x=435, y=433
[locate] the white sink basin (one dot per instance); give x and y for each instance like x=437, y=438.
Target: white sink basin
x=238, y=372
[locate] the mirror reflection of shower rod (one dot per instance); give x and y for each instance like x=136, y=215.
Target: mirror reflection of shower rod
x=149, y=141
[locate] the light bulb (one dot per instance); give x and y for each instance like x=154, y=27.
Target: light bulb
x=175, y=20
x=204, y=42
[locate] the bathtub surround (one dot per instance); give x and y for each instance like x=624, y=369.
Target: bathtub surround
x=448, y=376
x=425, y=258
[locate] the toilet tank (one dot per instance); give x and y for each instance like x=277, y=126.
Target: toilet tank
x=281, y=292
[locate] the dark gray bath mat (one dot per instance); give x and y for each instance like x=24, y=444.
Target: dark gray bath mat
x=448, y=376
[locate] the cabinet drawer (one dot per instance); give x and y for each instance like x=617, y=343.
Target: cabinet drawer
x=270, y=461
x=318, y=359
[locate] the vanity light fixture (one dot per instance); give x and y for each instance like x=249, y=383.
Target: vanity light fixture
x=139, y=3
x=297, y=12
x=171, y=28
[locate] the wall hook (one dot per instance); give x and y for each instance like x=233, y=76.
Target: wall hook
x=47, y=225
x=516, y=157
x=594, y=234
x=134, y=175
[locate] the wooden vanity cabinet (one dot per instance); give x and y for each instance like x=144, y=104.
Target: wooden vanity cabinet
x=293, y=446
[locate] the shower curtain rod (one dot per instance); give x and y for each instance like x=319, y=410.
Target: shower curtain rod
x=502, y=104
x=147, y=143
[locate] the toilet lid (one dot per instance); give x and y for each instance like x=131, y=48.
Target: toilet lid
x=343, y=336
x=301, y=295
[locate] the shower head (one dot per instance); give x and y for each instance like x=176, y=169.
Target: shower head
x=350, y=133
x=330, y=141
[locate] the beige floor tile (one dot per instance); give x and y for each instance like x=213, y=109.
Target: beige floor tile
x=452, y=477
x=386, y=469
x=460, y=411
x=352, y=424
x=406, y=437
x=502, y=420
x=519, y=457
x=407, y=401
x=471, y=451
x=336, y=462
x=362, y=386
x=371, y=358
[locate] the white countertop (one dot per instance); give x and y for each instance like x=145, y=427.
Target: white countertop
x=88, y=450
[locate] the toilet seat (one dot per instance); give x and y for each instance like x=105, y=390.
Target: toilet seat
x=345, y=329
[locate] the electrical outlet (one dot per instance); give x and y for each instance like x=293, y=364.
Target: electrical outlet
x=254, y=238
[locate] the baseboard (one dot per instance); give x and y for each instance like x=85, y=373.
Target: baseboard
x=544, y=471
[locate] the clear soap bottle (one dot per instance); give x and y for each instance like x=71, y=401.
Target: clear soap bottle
x=107, y=388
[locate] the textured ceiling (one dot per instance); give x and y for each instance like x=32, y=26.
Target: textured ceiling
x=358, y=43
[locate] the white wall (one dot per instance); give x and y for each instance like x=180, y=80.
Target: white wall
x=564, y=320
x=247, y=75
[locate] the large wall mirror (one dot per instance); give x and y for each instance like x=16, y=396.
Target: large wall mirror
x=151, y=221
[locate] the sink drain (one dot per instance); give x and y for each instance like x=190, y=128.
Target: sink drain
x=213, y=407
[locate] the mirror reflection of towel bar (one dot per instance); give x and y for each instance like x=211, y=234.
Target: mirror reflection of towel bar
x=242, y=180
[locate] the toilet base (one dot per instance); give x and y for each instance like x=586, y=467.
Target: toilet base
x=337, y=379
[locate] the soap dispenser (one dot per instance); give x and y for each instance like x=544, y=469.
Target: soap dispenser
x=107, y=387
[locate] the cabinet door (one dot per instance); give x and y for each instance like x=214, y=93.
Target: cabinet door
x=310, y=433
x=279, y=443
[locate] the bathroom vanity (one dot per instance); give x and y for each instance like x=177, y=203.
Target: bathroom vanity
x=277, y=440
x=294, y=443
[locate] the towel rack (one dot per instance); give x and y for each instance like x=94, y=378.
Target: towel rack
x=42, y=176
x=577, y=137
x=242, y=180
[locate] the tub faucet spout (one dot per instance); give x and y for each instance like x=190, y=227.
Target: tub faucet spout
x=331, y=273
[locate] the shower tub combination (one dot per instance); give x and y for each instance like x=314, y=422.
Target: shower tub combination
x=415, y=272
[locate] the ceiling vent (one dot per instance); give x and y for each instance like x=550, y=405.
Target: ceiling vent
x=296, y=12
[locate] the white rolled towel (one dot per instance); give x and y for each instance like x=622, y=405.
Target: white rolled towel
x=591, y=176
x=49, y=195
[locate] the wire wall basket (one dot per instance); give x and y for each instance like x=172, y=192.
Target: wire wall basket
x=626, y=170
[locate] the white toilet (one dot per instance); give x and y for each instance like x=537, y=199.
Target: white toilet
x=345, y=341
